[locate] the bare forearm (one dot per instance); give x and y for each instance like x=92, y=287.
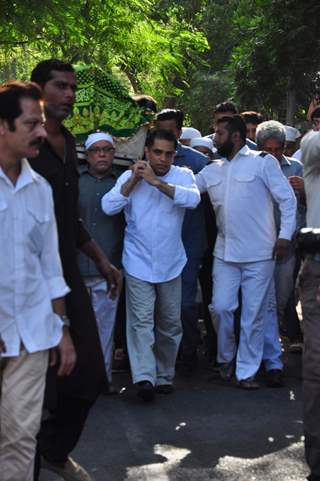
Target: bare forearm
x=128, y=186
x=59, y=306
x=92, y=250
x=167, y=189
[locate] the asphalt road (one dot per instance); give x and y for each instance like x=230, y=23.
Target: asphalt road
x=206, y=430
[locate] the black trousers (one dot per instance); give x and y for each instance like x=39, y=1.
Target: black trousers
x=60, y=431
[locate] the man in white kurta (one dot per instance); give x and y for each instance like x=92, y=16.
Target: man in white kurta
x=242, y=186
x=154, y=196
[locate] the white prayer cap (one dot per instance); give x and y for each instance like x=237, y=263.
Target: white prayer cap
x=93, y=138
x=189, y=133
x=202, y=142
x=292, y=134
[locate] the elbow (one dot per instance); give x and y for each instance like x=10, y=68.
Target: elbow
x=194, y=201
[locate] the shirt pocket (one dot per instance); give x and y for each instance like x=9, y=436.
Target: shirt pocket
x=243, y=185
x=38, y=223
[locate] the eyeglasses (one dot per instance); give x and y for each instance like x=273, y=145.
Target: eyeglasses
x=104, y=150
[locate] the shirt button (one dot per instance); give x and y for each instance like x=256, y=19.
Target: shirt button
x=66, y=184
x=98, y=193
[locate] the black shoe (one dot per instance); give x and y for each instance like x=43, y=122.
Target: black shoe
x=164, y=389
x=145, y=391
x=226, y=370
x=274, y=378
x=250, y=384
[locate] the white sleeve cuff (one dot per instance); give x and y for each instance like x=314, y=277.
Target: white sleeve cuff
x=57, y=287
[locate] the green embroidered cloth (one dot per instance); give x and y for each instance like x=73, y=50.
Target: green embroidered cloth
x=103, y=103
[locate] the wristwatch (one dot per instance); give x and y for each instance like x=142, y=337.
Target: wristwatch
x=65, y=320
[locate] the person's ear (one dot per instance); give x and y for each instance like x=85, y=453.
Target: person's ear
x=4, y=127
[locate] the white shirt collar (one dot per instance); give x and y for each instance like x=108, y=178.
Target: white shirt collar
x=26, y=176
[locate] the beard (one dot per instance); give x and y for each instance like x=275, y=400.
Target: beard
x=226, y=148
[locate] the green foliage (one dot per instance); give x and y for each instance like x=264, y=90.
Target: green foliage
x=187, y=53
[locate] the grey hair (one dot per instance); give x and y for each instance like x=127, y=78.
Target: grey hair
x=270, y=129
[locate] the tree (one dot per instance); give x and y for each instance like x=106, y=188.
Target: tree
x=277, y=55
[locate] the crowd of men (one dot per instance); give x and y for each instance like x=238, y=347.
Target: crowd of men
x=86, y=248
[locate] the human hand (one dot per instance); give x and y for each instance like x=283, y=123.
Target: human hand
x=137, y=169
x=280, y=249
x=297, y=183
x=113, y=277
x=67, y=353
x=149, y=175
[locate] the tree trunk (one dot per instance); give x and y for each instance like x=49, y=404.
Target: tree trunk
x=291, y=105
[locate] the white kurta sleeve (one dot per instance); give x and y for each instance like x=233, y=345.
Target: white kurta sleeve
x=201, y=182
x=187, y=193
x=113, y=201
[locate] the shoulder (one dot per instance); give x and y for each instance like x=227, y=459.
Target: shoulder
x=41, y=186
x=262, y=156
x=296, y=165
x=185, y=171
x=212, y=169
x=194, y=159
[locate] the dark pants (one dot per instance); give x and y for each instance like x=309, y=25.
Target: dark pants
x=309, y=284
x=293, y=329
x=61, y=430
x=189, y=311
x=205, y=278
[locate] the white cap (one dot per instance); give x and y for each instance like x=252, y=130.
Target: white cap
x=93, y=138
x=189, y=133
x=292, y=134
x=202, y=142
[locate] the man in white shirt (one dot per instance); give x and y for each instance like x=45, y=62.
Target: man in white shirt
x=32, y=287
x=154, y=196
x=242, y=186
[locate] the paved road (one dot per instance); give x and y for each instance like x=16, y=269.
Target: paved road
x=205, y=431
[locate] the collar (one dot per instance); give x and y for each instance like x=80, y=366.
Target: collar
x=84, y=169
x=285, y=161
x=244, y=150
x=26, y=176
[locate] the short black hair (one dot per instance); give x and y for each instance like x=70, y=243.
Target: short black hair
x=235, y=124
x=10, y=95
x=160, y=134
x=252, y=117
x=171, y=114
x=315, y=113
x=227, y=106
x=42, y=72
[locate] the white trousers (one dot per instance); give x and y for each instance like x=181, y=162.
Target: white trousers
x=153, y=329
x=253, y=278
x=105, y=310
x=22, y=382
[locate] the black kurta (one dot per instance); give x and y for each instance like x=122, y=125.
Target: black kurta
x=88, y=376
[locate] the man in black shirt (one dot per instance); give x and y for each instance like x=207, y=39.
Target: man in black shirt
x=70, y=398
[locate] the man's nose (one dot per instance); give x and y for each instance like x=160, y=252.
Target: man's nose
x=70, y=93
x=42, y=132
